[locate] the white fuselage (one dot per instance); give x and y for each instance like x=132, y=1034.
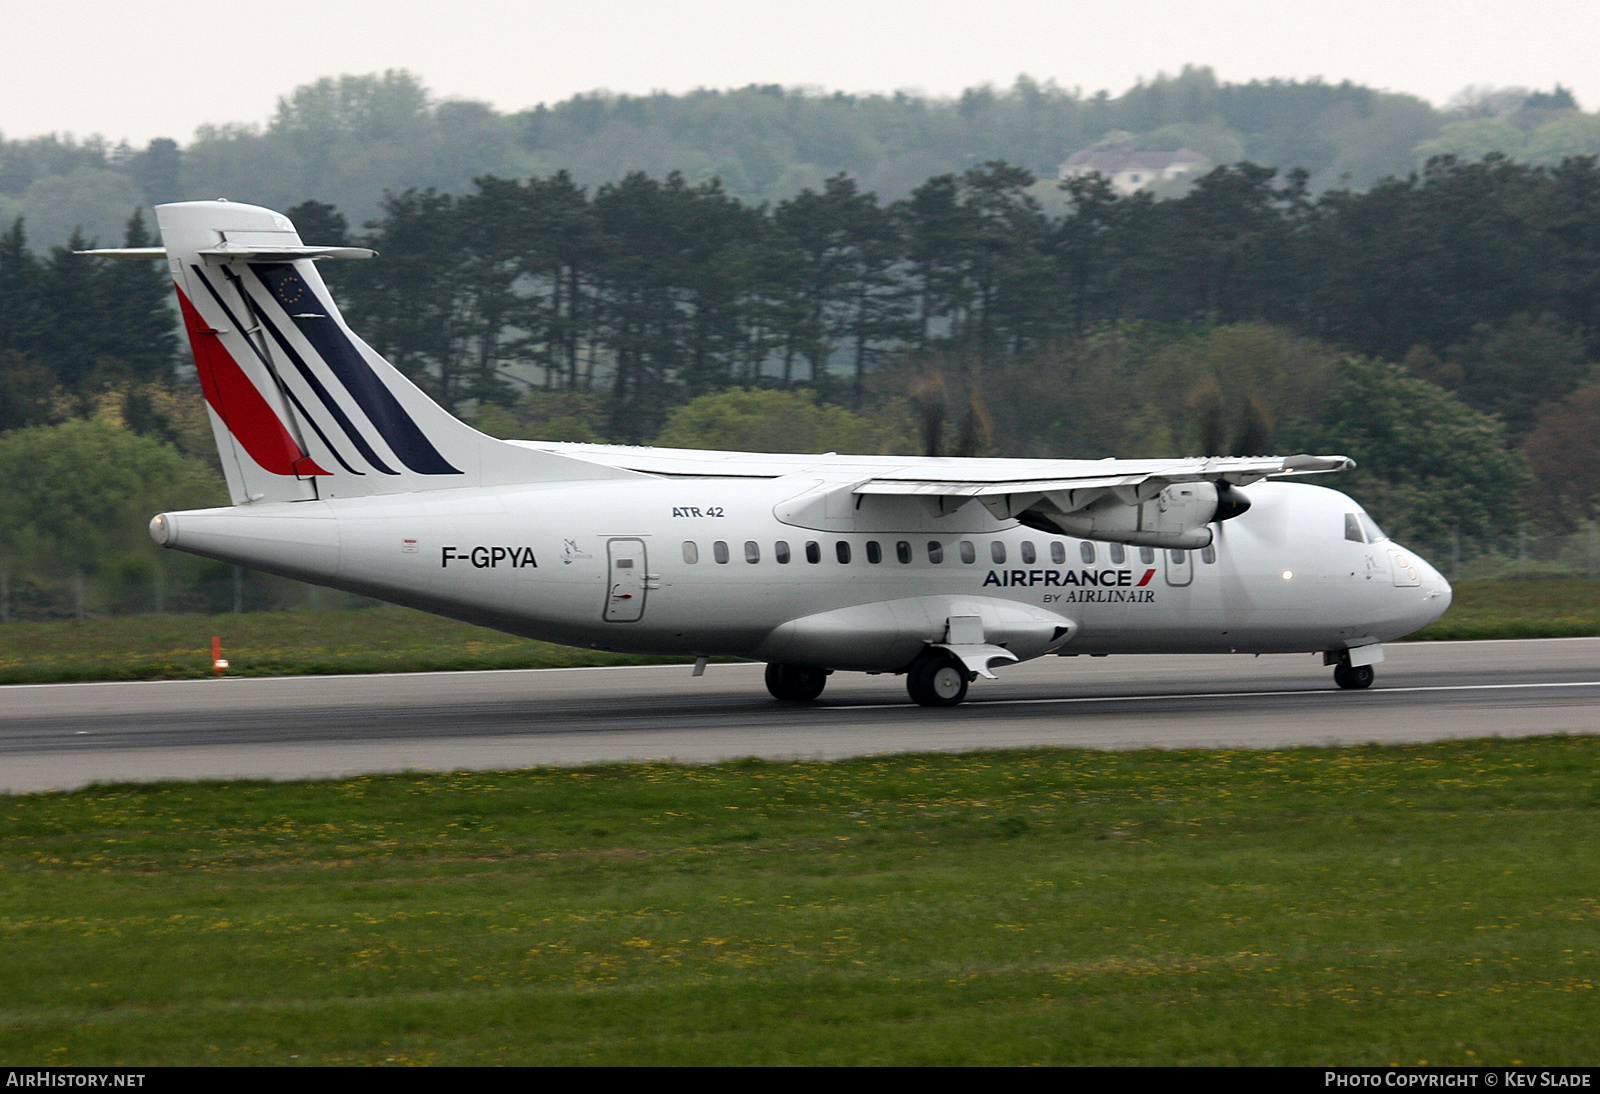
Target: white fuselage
x=609, y=565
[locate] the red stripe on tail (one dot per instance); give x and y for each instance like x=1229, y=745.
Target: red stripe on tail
x=238, y=403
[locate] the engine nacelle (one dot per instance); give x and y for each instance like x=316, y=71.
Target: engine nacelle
x=1178, y=517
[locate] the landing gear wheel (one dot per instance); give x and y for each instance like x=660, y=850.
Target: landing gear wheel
x=1353, y=676
x=938, y=680
x=795, y=683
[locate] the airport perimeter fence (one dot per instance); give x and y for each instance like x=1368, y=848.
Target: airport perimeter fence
x=183, y=584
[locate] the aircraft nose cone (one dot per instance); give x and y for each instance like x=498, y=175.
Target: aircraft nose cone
x=1442, y=591
x=1439, y=593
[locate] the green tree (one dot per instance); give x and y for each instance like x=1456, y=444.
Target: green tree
x=1511, y=368
x=94, y=202
x=1227, y=251
x=1089, y=247
x=82, y=493
x=1564, y=452
x=351, y=140
x=1473, y=139
x=552, y=234
x=1427, y=463
x=844, y=246
x=23, y=318
x=1225, y=391
x=135, y=310
x=414, y=304
x=744, y=420
x=545, y=416
x=26, y=390
x=78, y=336
x=978, y=267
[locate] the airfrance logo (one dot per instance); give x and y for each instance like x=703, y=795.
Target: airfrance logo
x=489, y=557
x=1080, y=578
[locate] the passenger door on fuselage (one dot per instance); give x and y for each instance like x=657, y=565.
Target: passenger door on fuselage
x=626, y=582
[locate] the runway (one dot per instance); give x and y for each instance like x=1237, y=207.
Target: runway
x=62, y=736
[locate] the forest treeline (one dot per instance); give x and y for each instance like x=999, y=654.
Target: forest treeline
x=1483, y=278
x=775, y=270
x=1441, y=328
x=347, y=140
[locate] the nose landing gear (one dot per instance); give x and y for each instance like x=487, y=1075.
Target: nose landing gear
x=1351, y=676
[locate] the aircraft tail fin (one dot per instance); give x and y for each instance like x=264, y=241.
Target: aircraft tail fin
x=301, y=407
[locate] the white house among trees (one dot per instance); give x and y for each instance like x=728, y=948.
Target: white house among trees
x=1131, y=171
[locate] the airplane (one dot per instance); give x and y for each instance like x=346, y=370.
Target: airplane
x=343, y=473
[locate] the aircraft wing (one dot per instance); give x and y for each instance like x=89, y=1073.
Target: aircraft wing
x=1103, y=475
x=1157, y=503
x=1163, y=503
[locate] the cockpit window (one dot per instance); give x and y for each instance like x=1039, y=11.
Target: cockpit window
x=1374, y=533
x=1352, y=528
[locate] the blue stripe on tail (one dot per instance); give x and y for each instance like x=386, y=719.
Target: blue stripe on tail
x=315, y=322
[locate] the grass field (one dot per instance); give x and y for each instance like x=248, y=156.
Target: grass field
x=172, y=647
x=1543, y=608
x=388, y=639
x=1372, y=905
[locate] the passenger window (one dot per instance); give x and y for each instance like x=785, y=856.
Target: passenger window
x=752, y=551
x=842, y=551
x=1058, y=553
x=902, y=551
x=719, y=551
x=813, y=552
x=1208, y=554
x=1119, y=554
x=1086, y=551
x=997, y=551
x=874, y=552
x=935, y=551
x=1178, y=557
x=780, y=552
x=1147, y=555
x=969, y=553
x=1352, y=529
x=691, y=552
x=1029, y=557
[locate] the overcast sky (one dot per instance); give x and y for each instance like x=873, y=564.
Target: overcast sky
x=141, y=68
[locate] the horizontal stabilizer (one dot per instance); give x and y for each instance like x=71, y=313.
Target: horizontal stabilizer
x=227, y=252
x=126, y=252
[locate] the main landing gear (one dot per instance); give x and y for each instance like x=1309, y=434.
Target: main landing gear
x=795, y=683
x=937, y=679
x=1351, y=676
